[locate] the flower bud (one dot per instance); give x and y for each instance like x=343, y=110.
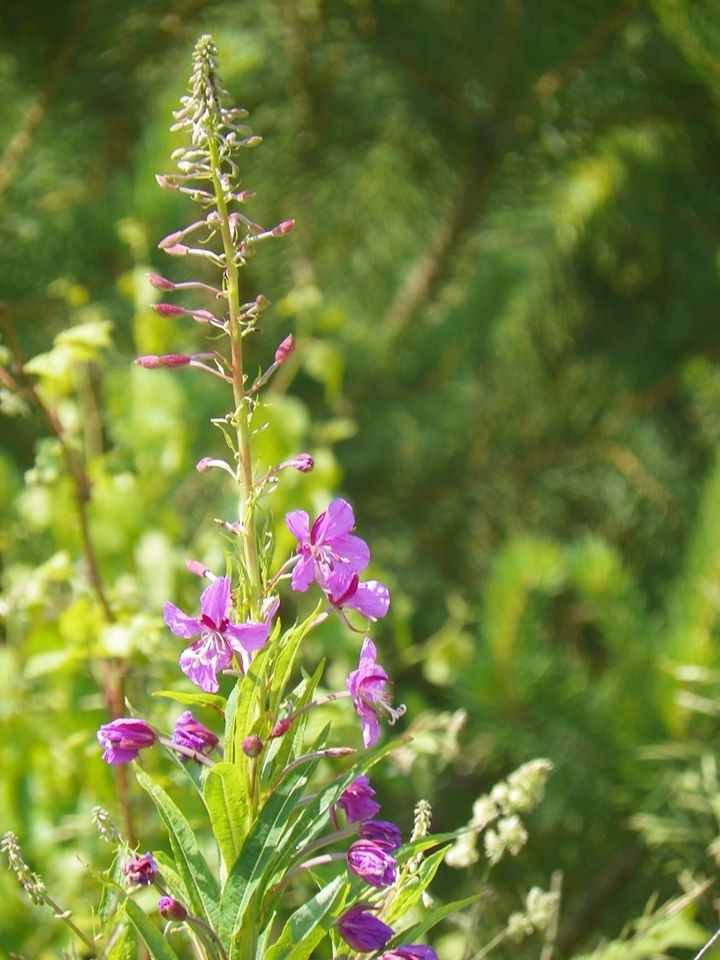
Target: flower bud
x=194, y=566
x=303, y=462
x=166, y=360
x=244, y=195
x=203, y=316
x=281, y=727
x=171, y=909
x=168, y=309
x=285, y=227
x=177, y=250
x=285, y=349
x=160, y=282
x=171, y=239
x=165, y=183
x=204, y=464
x=252, y=745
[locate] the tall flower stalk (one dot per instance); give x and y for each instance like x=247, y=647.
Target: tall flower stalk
x=276, y=790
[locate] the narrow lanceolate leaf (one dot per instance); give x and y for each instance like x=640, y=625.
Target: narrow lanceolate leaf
x=412, y=934
x=157, y=945
x=308, y=925
x=260, y=845
x=210, y=700
x=284, y=662
x=195, y=874
x=120, y=940
x=412, y=888
x=226, y=802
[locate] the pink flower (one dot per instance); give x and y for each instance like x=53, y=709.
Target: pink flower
x=361, y=930
x=139, y=870
x=357, y=802
x=193, y=735
x=381, y=832
x=124, y=738
x=219, y=639
x=372, y=863
x=367, y=688
x=369, y=597
x=328, y=547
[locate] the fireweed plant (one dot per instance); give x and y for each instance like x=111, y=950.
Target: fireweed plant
x=291, y=812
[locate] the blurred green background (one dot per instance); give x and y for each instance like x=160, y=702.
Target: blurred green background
x=504, y=285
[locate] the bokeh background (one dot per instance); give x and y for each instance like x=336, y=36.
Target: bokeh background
x=504, y=286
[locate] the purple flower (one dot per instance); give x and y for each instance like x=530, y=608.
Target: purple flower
x=356, y=801
x=171, y=909
x=367, y=687
x=139, y=870
x=372, y=863
x=326, y=548
x=192, y=735
x=369, y=597
x=124, y=738
x=361, y=930
x=381, y=832
x=219, y=638
x=410, y=951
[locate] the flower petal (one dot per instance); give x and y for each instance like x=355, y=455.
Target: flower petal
x=204, y=659
x=336, y=521
x=298, y=523
x=215, y=599
x=247, y=636
x=303, y=574
x=180, y=623
x=371, y=599
x=353, y=551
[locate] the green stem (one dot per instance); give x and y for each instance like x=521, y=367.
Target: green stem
x=244, y=471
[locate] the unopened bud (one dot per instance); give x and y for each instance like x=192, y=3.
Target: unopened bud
x=171, y=240
x=165, y=183
x=169, y=309
x=203, y=316
x=166, y=360
x=254, y=141
x=171, y=909
x=285, y=349
x=303, y=462
x=160, y=282
x=261, y=301
x=177, y=250
x=244, y=195
x=284, y=227
x=252, y=745
x=194, y=566
x=281, y=727
x=204, y=464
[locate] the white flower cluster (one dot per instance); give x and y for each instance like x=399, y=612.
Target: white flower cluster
x=520, y=792
x=540, y=907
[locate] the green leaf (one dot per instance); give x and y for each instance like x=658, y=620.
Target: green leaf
x=258, y=849
x=226, y=802
x=412, y=887
x=285, y=660
x=157, y=945
x=211, y=701
x=201, y=887
x=121, y=939
x=308, y=925
x=412, y=934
